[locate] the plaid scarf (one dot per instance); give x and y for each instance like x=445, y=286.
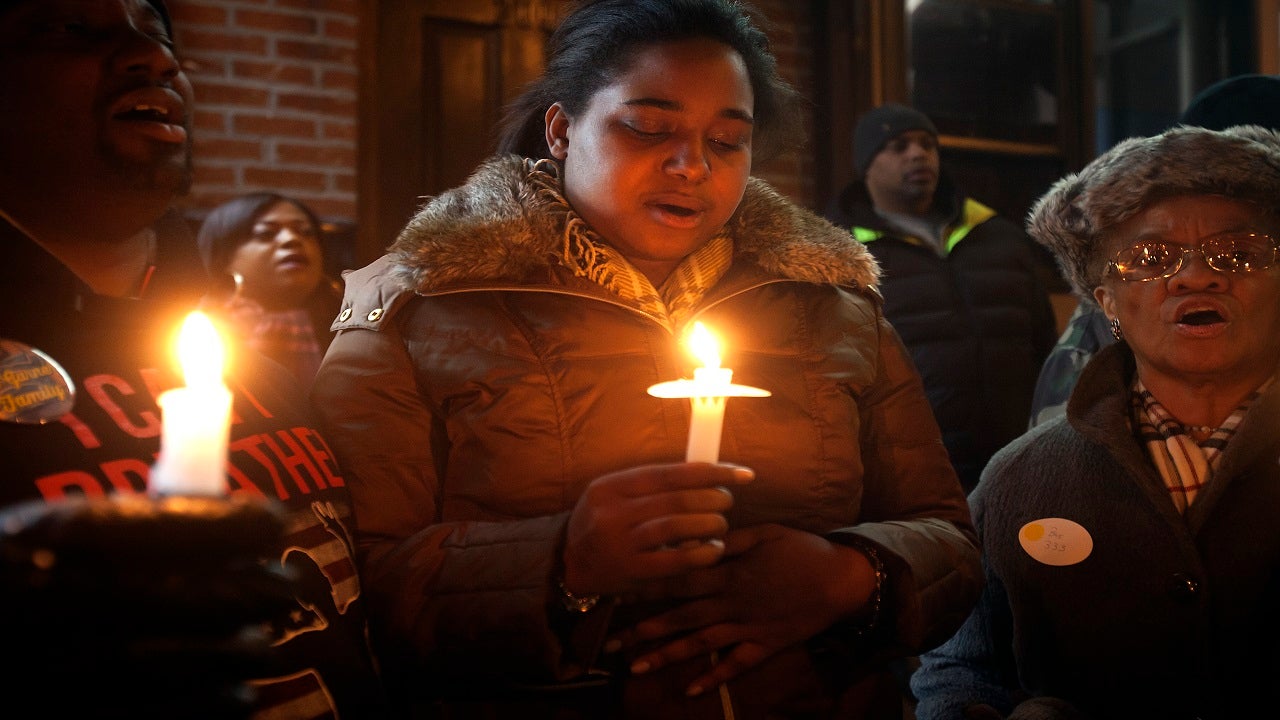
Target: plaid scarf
x=1186, y=465
x=286, y=336
x=590, y=257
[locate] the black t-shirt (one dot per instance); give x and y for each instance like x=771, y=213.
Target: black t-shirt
x=119, y=356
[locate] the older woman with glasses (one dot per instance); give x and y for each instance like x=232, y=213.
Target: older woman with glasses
x=1133, y=546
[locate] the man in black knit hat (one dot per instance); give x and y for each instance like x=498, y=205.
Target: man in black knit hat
x=960, y=284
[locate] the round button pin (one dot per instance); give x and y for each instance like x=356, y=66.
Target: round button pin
x=34, y=389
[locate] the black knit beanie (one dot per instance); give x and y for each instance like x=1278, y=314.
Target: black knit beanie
x=1239, y=100
x=879, y=126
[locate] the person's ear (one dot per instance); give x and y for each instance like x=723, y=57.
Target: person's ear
x=557, y=124
x=1105, y=301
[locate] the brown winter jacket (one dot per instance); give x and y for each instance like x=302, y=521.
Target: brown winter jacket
x=475, y=387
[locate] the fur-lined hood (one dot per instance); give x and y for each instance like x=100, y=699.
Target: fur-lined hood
x=1242, y=163
x=502, y=226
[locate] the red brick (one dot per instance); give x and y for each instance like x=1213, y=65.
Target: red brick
x=345, y=7
x=209, y=120
x=277, y=178
x=187, y=14
x=311, y=102
x=340, y=80
x=345, y=182
x=333, y=208
x=218, y=93
x=264, y=125
x=277, y=22
x=228, y=149
x=341, y=29
x=316, y=51
x=339, y=131
x=325, y=156
x=224, y=42
x=213, y=175
x=274, y=72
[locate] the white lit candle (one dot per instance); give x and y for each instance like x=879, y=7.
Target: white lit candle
x=707, y=392
x=196, y=419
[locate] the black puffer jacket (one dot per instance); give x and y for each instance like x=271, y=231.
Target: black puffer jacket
x=978, y=321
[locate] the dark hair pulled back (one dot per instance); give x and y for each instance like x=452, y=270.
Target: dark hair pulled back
x=598, y=38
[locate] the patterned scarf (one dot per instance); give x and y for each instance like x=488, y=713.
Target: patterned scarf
x=286, y=336
x=590, y=257
x=1187, y=466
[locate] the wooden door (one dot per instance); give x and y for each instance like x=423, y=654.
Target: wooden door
x=434, y=77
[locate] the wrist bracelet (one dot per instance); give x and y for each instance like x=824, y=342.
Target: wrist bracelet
x=877, y=593
x=575, y=603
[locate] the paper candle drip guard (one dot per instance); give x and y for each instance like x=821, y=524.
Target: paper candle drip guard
x=707, y=392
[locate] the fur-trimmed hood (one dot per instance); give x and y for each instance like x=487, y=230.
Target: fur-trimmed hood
x=1242, y=163
x=501, y=226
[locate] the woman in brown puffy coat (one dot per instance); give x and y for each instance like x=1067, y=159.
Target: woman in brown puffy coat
x=532, y=544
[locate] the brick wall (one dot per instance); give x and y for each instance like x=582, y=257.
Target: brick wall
x=791, y=37
x=276, y=86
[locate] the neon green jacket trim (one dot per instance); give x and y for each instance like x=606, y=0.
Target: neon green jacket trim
x=972, y=215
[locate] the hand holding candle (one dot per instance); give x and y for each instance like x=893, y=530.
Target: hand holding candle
x=196, y=418
x=707, y=391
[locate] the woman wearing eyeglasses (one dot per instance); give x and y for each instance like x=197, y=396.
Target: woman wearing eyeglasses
x=1133, y=546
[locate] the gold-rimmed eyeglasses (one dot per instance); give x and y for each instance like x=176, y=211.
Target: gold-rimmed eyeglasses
x=1233, y=252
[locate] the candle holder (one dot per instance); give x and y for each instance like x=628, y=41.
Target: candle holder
x=708, y=392
x=158, y=605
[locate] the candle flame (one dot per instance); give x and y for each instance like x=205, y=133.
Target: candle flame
x=704, y=345
x=200, y=351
